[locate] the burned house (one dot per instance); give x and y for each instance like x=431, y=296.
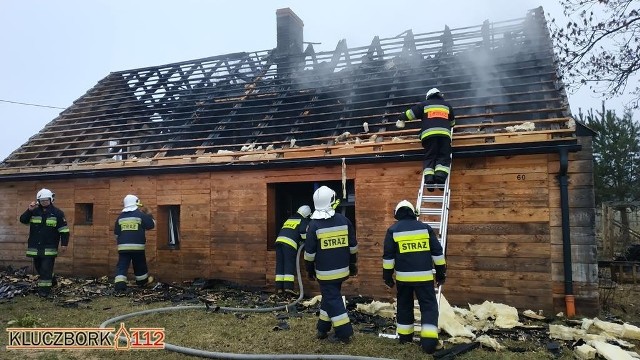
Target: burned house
x=222, y=149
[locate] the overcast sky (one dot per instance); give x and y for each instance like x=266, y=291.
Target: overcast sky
x=53, y=52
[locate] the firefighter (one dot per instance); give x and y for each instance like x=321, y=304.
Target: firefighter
x=47, y=229
x=292, y=234
x=412, y=249
x=437, y=121
x=330, y=257
x=130, y=228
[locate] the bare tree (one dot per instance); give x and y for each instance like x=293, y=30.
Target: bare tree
x=599, y=46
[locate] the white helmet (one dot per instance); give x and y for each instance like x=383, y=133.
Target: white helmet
x=323, y=198
x=304, y=211
x=130, y=203
x=44, y=194
x=433, y=91
x=404, y=204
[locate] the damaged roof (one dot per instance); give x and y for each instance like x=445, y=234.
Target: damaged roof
x=296, y=102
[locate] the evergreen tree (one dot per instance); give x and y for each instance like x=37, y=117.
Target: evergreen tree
x=616, y=151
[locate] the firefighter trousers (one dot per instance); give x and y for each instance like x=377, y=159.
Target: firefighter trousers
x=437, y=156
x=139, y=261
x=285, y=266
x=333, y=312
x=426, y=296
x=44, y=268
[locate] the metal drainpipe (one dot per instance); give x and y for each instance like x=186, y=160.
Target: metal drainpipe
x=569, y=299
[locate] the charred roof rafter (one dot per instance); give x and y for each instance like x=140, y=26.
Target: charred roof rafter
x=222, y=102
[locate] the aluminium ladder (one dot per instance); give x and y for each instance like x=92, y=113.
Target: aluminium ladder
x=432, y=207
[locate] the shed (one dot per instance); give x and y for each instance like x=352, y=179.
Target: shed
x=222, y=149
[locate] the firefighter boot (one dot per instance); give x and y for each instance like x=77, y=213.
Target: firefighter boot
x=429, y=181
x=44, y=292
x=321, y=335
x=145, y=282
x=429, y=345
x=405, y=339
x=120, y=286
x=440, y=177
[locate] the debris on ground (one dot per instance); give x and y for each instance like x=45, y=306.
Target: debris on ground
x=447, y=321
x=313, y=301
x=77, y=292
x=585, y=352
x=490, y=325
x=498, y=327
x=452, y=352
x=15, y=282
x=533, y=315
x=381, y=308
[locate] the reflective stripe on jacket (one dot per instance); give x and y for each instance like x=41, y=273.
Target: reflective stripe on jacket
x=293, y=231
x=130, y=229
x=437, y=117
x=47, y=229
x=331, y=244
x=411, y=248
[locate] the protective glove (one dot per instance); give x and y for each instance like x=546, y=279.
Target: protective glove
x=441, y=274
x=400, y=124
x=353, y=269
x=311, y=270
x=387, y=276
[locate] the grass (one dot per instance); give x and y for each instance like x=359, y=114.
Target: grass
x=246, y=333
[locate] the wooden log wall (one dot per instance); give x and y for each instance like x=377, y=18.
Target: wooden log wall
x=499, y=233
x=505, y=241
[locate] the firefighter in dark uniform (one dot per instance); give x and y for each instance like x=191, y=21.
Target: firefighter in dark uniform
x=437, y=120
x=292, y=234
x=47, y=229
x=130, y=228
x=330, y=256
x=412, y=249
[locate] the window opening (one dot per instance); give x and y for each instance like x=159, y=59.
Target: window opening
x=84, y=214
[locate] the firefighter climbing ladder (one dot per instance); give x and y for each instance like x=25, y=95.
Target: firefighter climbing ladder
x=433, y=209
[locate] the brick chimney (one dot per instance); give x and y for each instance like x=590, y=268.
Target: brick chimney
x=289, y=35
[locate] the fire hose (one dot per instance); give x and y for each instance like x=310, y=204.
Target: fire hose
x=224, y=355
